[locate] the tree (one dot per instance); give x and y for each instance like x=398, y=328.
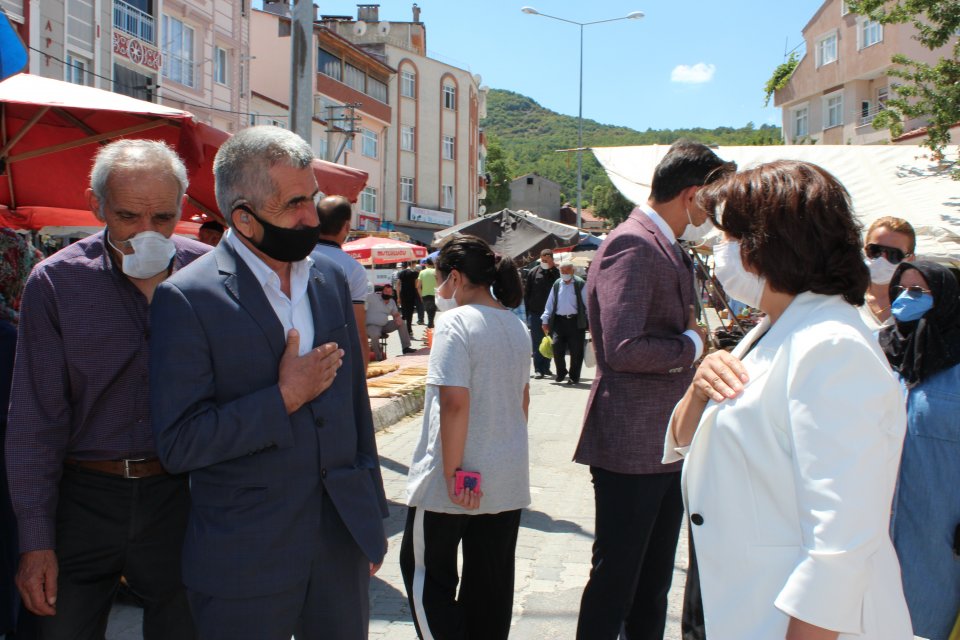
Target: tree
x=929, y=91
x=500, y=172
x=609, y=204
x=780, y=78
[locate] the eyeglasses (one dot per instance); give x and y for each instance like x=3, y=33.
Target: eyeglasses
x=913, y=292
x=894, y=255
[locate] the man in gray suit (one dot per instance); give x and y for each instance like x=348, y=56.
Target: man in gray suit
x=258, y=391
x=640, y=301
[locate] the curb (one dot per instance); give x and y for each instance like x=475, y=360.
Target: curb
x=397, y=409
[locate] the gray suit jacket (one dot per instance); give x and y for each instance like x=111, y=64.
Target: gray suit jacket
x=257, y=475
x=639, y=293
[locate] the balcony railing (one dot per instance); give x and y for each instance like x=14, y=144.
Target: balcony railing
x=866, y=117
x=137, y=23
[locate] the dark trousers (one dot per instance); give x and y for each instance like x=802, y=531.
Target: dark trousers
x=692, y=626
x=419, y=303
x=407, y=307
x=637, y=525
x=333, y=602
x=431, y=308
x=108, y=527
x=428, y=561
x=568, y=337
x=541, y=364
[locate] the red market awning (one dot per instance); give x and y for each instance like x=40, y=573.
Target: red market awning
x=50, y=131
x=374, y=250
x=48, y=218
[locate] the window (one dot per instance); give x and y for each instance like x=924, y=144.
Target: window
x=328, y=64
x=449, y=144
x=354, y=77
x=530, y=180
x=832, y=110
x=368, y=200
x=220, y=72
x=827, y=49
x=882, y=94
x=178, y=51
x=449, y=97
x=408, y=84
x=844, y=8
x=448, y=201
x=869, y=33
x=369, y=147
x=408, y=137
x=377, y=89
x=76, y=70
x=800, y=122
x=406, y=190
x=322, y=148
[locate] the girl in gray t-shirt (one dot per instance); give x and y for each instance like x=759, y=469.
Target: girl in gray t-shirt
x=475, y=419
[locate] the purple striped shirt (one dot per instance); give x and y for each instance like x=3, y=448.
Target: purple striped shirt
x=80, y=385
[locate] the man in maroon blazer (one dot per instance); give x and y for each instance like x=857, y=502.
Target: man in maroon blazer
x=640, y=300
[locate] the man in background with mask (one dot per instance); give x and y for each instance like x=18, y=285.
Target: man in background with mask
x=384, y=317
x=92, y=500
x=259, y=393
x=640, y=303
x=564, y=319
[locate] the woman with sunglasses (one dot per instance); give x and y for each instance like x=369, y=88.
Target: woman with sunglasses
x=923, y=346
x=474, y=420
x=791, y=443
x=888, y=242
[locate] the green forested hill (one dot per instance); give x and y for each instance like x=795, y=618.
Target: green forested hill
x=530, y=135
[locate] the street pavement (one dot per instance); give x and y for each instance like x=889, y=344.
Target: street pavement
x=554, y=544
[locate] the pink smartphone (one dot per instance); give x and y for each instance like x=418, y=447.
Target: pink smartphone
x=466, y=480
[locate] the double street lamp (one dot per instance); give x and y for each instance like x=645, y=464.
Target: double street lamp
x=634, y=15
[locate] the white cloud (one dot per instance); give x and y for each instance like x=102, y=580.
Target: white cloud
x=696, y=74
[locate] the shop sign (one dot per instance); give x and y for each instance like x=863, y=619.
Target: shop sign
x=430, y=216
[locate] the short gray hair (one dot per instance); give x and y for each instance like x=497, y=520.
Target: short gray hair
x=241, y=168
x=137, y=155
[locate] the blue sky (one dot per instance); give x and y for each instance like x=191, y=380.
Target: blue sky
x=688, y=63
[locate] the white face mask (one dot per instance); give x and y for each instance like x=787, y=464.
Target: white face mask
x=739, y=283
x=693, y=233
x=152, y=252
x=567, y=277
x=445, y=304
x=881, y=270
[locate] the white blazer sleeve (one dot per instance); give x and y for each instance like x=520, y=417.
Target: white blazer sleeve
x=672, y=452
x=844, y=413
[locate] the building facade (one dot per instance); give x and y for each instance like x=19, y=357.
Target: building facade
x=351, y=115
x=182, y=54
x=536, y=194
x=435, y=154
x=842, y=81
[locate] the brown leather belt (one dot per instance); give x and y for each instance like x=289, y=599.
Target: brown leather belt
x=131, y=469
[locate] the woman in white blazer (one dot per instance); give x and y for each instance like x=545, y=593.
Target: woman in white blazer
x=792, y=442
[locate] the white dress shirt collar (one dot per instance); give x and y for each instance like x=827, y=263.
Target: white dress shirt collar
x=660, y=222
x=293, y=311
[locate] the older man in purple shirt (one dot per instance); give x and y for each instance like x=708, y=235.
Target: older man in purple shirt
x=92, y=501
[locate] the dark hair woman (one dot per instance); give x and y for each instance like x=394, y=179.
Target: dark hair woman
x=923, y=346
x=475, y=420
x=791, y=443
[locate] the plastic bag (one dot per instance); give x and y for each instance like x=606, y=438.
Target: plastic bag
x=546, y=347
x=589, y=357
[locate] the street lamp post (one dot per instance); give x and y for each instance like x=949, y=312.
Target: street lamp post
x=634, y=15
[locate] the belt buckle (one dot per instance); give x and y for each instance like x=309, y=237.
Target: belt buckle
x=126, y=467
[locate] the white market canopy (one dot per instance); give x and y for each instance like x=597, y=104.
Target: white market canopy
x=883, y=180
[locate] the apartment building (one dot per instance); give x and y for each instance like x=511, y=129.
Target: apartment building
x=187, y=55
x=434, y=157
x=352, y=112
x=842, y=81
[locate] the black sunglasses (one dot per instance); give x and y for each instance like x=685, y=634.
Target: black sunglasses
x=913, y=292
x=894, y=255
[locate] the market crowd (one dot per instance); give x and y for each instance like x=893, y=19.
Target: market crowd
x=192, y=418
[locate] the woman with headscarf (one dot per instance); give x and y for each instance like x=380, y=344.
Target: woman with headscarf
x=923, y=346
x=17, y=257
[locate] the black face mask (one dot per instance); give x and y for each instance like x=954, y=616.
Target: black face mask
x=280, y=243
x=386, y=297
